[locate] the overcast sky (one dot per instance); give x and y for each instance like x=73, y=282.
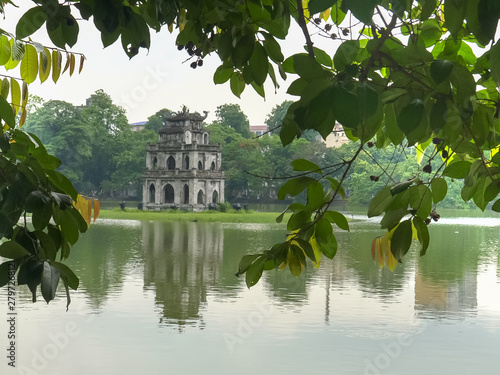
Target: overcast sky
x=148, y=82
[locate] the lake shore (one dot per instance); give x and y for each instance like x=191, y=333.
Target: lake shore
x=205, y=216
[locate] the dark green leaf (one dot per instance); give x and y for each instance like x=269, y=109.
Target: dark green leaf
x=61, y=182
x=439, y=189
x=421, y=200
x=323, y=231
x=7, y=271
x=317, y=6
x=272, y=48
x=308, y=68
x=496, y=206
x=411, y=116
x=441, y=70
x=368, y=100
x=259, y=64
x=30, y=22
x=346, y=54
x=302, y=165
x=50, y=281
x=401, y=240
x=438, y=115
x=6, y=113
x=393, y=217
x=422, y=233
x=345, y=107
x=254, y=272
x=245, y=263
x=329, y=249
x=298, y=219
x=12, y=250
x=222, y=74
x=334, y=184
x=362, y=9
x=402, y=186
x=306, y=246
x=379, y=202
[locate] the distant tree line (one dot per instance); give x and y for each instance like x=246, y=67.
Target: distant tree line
x=100, y=153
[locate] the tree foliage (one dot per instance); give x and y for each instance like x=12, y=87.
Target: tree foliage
x=420, y=74
x=231, y=115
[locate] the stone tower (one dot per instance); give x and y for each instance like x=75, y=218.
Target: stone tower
x=183, y=168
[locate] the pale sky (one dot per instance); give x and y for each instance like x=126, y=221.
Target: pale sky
x=148, y=82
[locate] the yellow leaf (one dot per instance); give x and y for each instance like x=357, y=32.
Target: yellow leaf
x=56, y=65
x=420, y=154
x=379, y=252
x=391, y=261
x=305, y=6
x=374, y=247
x=97, y=209
x=89, y=212
x=68, y=60
x=82, y=60
x=317, y=251
x=11, y=64
x=72, y=65
x=24, y=96
x=5, y=88
x=83, y=207
x=45, y=64
x=29, y=64
x=15, y=94
x=22, y=120
x=294, y=263
x=326, y=14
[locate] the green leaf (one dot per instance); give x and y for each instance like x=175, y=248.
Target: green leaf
x=29, y=64
x=323, y=231
x=458, y=169
x=496, y=206
x=254, y=272
x=308, y=68
x=317, y=6
x=337, y=218
x=62, y=183
x=402, y=186
x=294, y=186
x=401, y=240
x=322, y=57
x=245, y=263
x=455, y=13
x=5, y=49
x=68, y=274
x=329, y=249
x=302, y=165
x=222, y=74
x=345, y=107
x=422, y=233
x=237, y=84
x=298, y=219
x=421, y=200
x=391, y=125
x=368, y=100
x=307, y=248
x=293, y=260
x=30, y=22
x=392, y=218
x=438, y=115
x=243, y=50
x=379, y=202
x=315, y=196
x=7, y=269
x=362, y=9
x=259, y=64
x=50, y=281
x=465, y=84
x=495, y=62
x=439, y=189
x=12, y=250
x=6, y=113
x=346, y=54
x=411, y=116
x=441, y=70
x=272, y=48
x=30, y=274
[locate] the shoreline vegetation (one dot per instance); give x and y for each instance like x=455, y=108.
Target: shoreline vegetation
x=231, y=216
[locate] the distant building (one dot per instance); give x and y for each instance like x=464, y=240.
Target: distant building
x=337, y=138
x=259, y=129
x=183, y=169
x=138, y=126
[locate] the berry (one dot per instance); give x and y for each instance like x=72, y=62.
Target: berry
x=427, y=221
x=427, y=168
x=200, y=62
x=180, y=47
x=70, y=21
x=436, y=141
x=345, y=31
x=445, y=155
x=317, y=21
x=370, y=144
x=328, y=27
x=193, y=65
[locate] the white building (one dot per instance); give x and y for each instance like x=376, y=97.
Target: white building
x=183, y=168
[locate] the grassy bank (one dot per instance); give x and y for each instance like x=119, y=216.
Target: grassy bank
x=206, y=216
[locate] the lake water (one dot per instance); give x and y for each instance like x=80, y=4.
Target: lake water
x=162, y=298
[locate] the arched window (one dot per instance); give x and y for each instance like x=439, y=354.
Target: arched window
x=212, y=166
x=215, y=197
x=186, y=194
x=170, y=163
x=155, y=163
x=201, y=197
x=205, y=139
x=169, y=194
x=200, y=165
x=152, y=193
x=186, y=162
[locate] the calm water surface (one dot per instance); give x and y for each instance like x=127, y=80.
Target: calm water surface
x=162, y=298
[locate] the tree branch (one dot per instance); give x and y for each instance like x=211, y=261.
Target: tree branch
x=303, y=26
